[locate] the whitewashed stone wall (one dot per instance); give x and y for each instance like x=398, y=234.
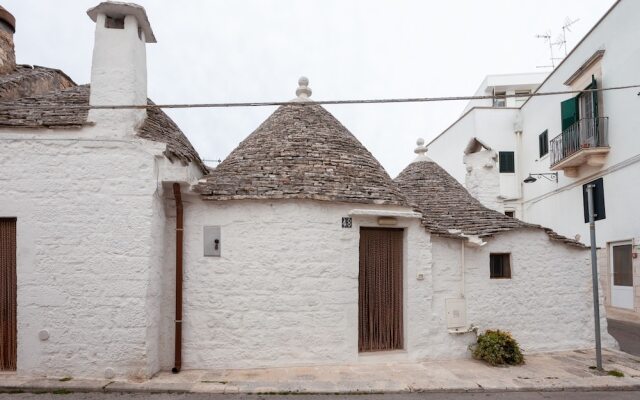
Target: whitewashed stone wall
x=483, y=178
x=285, y=290
x=547, y=304
x=88, y=259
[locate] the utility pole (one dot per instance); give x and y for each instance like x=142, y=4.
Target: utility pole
x=594, y=275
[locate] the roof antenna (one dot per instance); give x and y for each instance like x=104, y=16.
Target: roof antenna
x=547, y=38
x=562, y=39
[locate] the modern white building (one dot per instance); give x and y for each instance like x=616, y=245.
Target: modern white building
x=571, y=139
x=121, y=254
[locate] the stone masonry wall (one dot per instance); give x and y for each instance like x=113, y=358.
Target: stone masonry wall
x=7, y=52
x=547, y=302
x=85, y=219
x=483, y=178
x=285, y=290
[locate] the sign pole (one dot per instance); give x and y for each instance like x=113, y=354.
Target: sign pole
x=594, y=276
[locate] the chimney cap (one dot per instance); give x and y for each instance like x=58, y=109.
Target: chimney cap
x=118, y=9
x=7, y=17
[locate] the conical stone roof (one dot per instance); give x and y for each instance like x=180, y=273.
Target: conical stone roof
x=449, y=210
x=301, y=152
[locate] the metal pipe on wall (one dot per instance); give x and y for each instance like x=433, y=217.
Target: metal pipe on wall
x=179, y=241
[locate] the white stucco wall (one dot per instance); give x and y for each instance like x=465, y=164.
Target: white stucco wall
x=547, y=304
x=493, y=126
x=87, y=250
x=285, y=290
x=617, y=35
x=483, y=178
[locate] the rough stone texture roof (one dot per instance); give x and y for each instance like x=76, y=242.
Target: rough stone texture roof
x=27, y=80
x=446, y=205
x=301, y=152
x=160, y=128
x=157, y=127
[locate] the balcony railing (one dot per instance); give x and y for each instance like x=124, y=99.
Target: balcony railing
x=584, y=134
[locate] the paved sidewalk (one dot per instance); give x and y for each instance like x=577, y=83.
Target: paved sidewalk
x=542, y=372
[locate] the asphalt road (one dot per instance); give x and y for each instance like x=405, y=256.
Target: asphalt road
x=627, y=334
x=613, y=395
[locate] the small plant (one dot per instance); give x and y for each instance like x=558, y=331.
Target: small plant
x=616, y=373
x=497, y=348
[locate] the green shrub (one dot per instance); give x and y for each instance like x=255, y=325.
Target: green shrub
x=497, y=348
x=616, y=373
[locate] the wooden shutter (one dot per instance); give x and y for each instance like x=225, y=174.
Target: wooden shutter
x=543, y=143
x=8, y=289
x=569, y=112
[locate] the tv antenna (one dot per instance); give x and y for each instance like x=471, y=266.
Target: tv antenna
x=562, y=39
x=547, y=38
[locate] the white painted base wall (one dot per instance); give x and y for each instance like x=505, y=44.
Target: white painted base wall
x=547, y=304
x=87, y=267
x=285, y=290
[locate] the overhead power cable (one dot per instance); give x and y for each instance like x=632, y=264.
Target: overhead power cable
x=4, y=107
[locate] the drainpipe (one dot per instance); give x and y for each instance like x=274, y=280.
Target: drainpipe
x=518, y=128
x=178, y=323
x=462, y=268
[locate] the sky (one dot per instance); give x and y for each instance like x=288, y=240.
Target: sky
x=211, y=51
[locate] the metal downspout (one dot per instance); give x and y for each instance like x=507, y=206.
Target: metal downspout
x=179, y=240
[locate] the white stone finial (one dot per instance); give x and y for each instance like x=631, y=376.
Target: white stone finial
x=421, y=149
x=303, y=91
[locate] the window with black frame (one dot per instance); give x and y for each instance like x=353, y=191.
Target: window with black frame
x=500, y=265
x=543, y=143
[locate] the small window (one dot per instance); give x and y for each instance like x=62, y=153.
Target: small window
x=114, y=23
x=500, y=99
x=507, y=162
x=500, y=264
x=522, y=96
x=543, y=143
x=622, y=265
x=511, y=214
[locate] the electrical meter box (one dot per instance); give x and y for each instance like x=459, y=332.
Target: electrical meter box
x=212, y=241
x=456, y=313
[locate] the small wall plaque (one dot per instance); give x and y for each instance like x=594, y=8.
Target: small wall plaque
x=346, y=222
x=212, y=241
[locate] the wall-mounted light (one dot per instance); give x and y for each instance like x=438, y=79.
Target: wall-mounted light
x=552, y=176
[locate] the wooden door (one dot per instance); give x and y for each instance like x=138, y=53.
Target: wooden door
x=8, y=288
x=380, y=290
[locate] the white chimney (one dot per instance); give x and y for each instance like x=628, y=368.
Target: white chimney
x=483, y=178
x=119, y=67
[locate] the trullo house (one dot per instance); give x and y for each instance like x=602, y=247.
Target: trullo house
x=122, y=254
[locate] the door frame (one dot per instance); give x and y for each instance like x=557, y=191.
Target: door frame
x=403, y=228
x=13, y=348
x=623, y=288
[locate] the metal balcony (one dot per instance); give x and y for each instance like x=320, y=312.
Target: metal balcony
x=584, y=142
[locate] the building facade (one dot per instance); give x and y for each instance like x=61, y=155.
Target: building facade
x=583, y=137
x=123, y=254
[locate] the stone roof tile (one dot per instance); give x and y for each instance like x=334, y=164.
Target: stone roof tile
x=449, y=210
x=301, y=152
x=46, y=111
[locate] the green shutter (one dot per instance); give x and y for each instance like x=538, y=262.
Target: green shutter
x=506, y=161
x=569, y=112
x=594, y=85
x=543, y=143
